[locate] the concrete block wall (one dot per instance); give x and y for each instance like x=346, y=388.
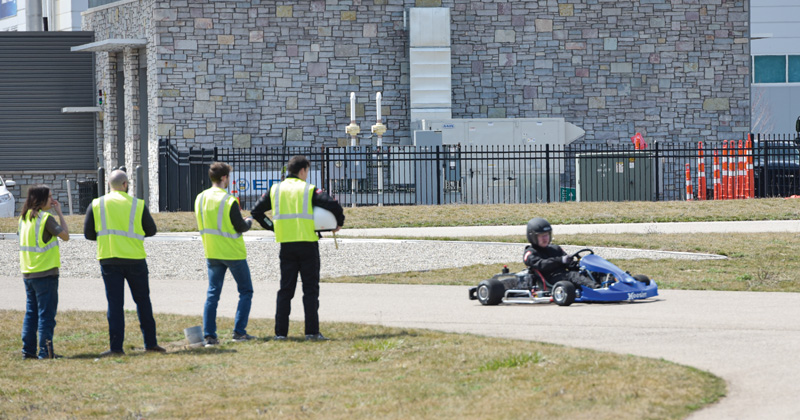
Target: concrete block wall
x=56, y=180
x=261, y=73
x=238, y=74
x=674, y=70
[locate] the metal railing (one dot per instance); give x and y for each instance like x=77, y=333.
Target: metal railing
x=457, y=174
x=181, y=175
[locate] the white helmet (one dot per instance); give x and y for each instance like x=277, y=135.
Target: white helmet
x=324, y=220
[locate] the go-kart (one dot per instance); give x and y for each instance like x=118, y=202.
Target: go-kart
x=613, y=285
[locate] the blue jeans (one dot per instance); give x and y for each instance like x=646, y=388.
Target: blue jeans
x=40, y=315
x=216, y=275
x=114, y=276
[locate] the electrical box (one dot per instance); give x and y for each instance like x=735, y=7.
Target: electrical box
x=533, y=188
x=615, y=176
x=401, y=165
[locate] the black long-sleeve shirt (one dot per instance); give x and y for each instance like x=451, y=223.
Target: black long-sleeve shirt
x=89, y=232
x=239, y=224
x=546, y=260
x=319, y=198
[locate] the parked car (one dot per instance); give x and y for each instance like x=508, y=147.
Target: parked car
x=776, y=168
x=7, y=202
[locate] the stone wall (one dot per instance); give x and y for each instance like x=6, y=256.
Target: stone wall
x=56, y=180
x=674, y=70
x=281, y=73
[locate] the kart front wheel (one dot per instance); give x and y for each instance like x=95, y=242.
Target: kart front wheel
x=642, y=278
x=490, y=292
x=564, y=293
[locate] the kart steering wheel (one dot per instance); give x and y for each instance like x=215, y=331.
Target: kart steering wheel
x=577, y=254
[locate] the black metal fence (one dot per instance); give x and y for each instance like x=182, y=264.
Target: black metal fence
x=455, y=174
x=181, y=175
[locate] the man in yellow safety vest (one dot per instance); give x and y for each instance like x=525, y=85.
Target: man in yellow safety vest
x=221, y=225
x=119, y=223
x=292, y=202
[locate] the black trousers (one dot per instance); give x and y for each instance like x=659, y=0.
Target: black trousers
x=302, y=258
x=573, y=276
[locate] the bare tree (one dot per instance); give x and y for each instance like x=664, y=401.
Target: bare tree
x=760, y=113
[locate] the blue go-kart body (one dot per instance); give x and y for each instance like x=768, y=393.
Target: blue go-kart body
x=612, y=285
x=624, y=288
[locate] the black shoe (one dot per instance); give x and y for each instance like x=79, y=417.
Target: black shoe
x=210, y=341
x=28, y=356
x=279, y=338
x=316, y=337
x=156, y=349
x=242, y=337
x=112, y=353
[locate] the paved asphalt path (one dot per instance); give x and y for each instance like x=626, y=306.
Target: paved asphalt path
x=750, y=339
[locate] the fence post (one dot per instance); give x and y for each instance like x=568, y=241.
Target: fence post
x=162, y=175
x=101, y=181
x=547, y=171
x=438, y=176
x=658, y=172
x=139, y=181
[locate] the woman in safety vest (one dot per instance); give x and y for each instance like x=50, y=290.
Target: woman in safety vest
x=39, y=260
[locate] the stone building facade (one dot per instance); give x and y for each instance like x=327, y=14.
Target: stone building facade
x=251, y=73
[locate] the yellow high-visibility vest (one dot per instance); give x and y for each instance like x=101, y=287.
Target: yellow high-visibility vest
x=36, y=256
x=212, y=209
x=118, y=223
x=292, y=211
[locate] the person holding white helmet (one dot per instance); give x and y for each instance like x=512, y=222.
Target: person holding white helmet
x=547, y=259
x=293, y=202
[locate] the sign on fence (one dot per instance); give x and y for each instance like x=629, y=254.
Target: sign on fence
x=567, y=194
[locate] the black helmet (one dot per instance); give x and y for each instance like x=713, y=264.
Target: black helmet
x=536, y=226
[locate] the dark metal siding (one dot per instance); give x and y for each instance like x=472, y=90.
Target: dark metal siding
x=39, y=75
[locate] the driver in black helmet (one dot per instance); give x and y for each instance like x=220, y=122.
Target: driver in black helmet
x=548, y=259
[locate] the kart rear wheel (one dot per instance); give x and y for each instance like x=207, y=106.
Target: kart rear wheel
x=564, y=293
x=642, y=278
x=490, y=292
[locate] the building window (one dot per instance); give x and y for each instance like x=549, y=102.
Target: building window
x=794, y=69
x=769, y=68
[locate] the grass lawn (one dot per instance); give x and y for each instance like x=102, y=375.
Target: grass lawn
x=518, y=214
x=364, y=372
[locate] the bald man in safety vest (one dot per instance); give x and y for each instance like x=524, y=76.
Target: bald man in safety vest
x=119, y=223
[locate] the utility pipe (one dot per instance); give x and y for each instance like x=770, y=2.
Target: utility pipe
x=353, y=129
x=378, y=129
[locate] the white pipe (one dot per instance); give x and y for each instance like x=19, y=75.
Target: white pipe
x=352, y=107
x=378, y=100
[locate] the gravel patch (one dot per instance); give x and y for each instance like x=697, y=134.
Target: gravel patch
x=182, y=257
